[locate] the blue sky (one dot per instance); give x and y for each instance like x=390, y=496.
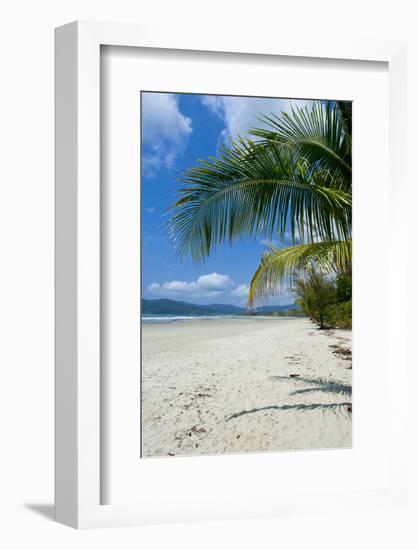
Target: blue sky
x=177, y=130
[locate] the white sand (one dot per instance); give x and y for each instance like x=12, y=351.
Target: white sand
x=225, y=387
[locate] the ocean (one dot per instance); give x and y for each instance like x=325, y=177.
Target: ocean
x=149, y=319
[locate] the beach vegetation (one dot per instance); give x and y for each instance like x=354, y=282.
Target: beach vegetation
x=326, y=300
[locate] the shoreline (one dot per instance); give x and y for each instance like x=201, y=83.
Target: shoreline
x=232, y=386
x=232, y=318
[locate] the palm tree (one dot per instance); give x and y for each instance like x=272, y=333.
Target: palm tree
x=293, y=176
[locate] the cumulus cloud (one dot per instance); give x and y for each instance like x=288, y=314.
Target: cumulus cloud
x=285, y=240
x=165, y=131
x=241, y=113
x=214, y=281
x=209, y=285
x=266, y=242
x=154, y=287
x=214, y=103
x=240, y=291
x=212, y=286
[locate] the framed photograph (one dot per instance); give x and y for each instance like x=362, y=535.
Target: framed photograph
x=225, y=347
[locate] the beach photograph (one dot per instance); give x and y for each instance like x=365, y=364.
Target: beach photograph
x=246, y=274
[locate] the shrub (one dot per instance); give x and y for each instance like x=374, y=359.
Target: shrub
x=344, y=287
x=340, y=315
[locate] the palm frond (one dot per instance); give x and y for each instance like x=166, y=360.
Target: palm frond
x=345, y=108
x=256, y=190
x=280, y=265
x=318, y=134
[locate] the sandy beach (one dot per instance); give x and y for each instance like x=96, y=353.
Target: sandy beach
x=232, y=385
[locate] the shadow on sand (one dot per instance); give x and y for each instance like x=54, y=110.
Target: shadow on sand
x=296, y=407
x=319, y=385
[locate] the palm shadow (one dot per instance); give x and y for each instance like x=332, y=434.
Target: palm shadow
x=319, y=385
x=296, y=407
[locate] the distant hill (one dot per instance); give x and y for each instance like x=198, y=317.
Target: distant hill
x=165, y=306
x=174, y=307
x=226, y=309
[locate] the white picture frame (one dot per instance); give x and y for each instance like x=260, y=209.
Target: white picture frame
x=78, y=410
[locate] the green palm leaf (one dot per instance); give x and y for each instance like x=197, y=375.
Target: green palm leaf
x=296, y=177
x=279, y=265
x=319, y=134
x=252, y=190
x=345, y=108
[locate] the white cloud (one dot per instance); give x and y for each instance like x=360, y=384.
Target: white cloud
x=214, y=103
x=266, y=242
x=240, y=113
x=165, y=131
x=209, y=285
x=240, y=291
x=154, y=287
x=150, y=210
x=284, y=241
x=212, y=286
x=214, y=281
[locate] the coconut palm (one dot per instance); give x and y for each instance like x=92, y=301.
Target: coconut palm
x=292, y=177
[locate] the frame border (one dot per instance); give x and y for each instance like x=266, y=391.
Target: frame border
x=77, y=246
